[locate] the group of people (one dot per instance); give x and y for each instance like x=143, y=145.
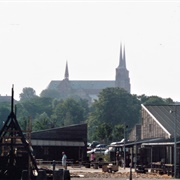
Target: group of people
x=119, y=159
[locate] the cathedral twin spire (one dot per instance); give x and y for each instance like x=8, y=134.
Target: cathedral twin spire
x=122, y=74
x=122, y=62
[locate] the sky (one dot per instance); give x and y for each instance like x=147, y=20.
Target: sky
x=38, y=37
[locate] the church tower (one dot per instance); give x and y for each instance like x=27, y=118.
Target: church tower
x=122, y=74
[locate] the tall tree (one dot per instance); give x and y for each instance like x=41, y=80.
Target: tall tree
x=104, y=132
x=70, y=111
x=52, y=93
x=4, y=112
x=154, y=100
x=115, y=106
x=42, y=122
x=118, y=132
x=27, y=94
x=33, y=108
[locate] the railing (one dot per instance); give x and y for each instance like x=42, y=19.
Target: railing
x=70, y=162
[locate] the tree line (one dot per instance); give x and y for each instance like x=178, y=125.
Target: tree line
x=106, y=117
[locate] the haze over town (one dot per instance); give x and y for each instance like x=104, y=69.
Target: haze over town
x=38, y=37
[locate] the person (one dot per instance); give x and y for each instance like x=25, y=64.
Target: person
x=64, y=160
x=118, y=156
x=92, y=157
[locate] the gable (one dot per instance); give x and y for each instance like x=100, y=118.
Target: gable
x=164, y=118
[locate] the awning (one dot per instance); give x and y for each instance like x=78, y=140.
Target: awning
x=158, y=144
x=56, y=143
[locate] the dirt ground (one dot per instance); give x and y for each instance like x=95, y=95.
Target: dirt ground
x=116, y=175
x=98, y=174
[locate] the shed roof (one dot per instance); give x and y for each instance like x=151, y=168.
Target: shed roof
x=165, y=115
x=161, y=142
x=69, y=133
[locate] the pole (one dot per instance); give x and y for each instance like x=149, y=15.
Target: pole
x=130, y=174
x=135, y=165
x=29, y=129
x=175, y=132
x=175, y=141
x=54, y=165
x=124, y=145
x=151, y=156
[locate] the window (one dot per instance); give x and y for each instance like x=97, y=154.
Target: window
x=150, y=127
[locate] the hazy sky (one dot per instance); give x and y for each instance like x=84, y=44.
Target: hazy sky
x=38, y=37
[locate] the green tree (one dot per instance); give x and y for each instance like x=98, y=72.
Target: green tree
x=68, y=119
x=104, y=132
x=70, y=111
x=52, y=93
x=92, y=124
x=115, y=106
x=5, y=110
x=169, y=101
x=42, y=122
x=118, y=132
x=27, y=94
x=35, y=106
x=154, y=100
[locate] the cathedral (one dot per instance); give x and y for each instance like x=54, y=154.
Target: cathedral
x=90, y=89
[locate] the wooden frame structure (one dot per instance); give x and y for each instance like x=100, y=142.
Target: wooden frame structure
x=16, y=152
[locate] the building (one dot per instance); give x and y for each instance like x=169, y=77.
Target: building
x=161, y=122
x=90, y=89
x=50, y=143
x=5, y=98
x=159, y=145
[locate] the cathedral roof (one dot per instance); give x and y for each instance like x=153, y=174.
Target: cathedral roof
x=80, y=84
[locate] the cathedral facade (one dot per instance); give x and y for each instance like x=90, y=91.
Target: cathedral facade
x=91, y=88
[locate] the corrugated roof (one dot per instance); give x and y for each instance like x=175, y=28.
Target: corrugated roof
x=165, y=115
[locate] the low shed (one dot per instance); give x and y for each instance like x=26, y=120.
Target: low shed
x=49, y=144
